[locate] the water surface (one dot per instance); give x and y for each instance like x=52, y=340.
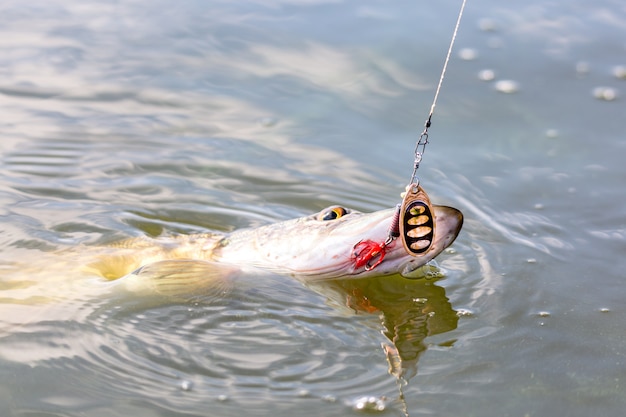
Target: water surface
x=143, y=118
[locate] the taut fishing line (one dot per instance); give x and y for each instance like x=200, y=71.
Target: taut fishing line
x=414, y=219
x=415, y=215
x=423, y=140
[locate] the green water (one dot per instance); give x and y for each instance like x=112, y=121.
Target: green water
x=123, y=119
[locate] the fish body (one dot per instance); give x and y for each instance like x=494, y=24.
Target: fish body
x=315, y=247
x=312, y=248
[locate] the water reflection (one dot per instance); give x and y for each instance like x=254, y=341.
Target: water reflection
x=409, y=311
x=265, y=332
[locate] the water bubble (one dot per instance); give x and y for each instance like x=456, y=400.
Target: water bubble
x=420, y=300
x=369, y=404
x=222, y=398
x=468, y=54
x=605, y=93
x=582, y=68
x=604, y=310
x=552, y=133
x=487, y=25
x=620, y=72
x=464, y=312
x=507, y=86
x=304, y=393
x=486, y=75
x=186, y=385
x=544, y=314
x=329, y=398
x=538, y=206
x=531, y=260
x=428, y=271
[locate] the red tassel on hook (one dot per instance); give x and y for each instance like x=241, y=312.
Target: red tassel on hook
x=367, y=250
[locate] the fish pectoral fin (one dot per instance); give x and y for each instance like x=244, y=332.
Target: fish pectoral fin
x=181, y=278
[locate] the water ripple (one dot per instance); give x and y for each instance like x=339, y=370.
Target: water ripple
x=258, y=344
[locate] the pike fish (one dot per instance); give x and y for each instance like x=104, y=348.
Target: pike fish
x=314, y=248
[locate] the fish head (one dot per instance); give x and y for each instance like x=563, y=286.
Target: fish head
x=325, y=245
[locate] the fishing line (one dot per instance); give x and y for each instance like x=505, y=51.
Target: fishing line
x=416, y=222
x=414, y=219
x=423, y=139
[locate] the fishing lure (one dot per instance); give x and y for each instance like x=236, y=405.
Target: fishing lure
x=414, y=219
x=417, y=225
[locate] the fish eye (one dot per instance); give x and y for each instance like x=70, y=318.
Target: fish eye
x=332, y=213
